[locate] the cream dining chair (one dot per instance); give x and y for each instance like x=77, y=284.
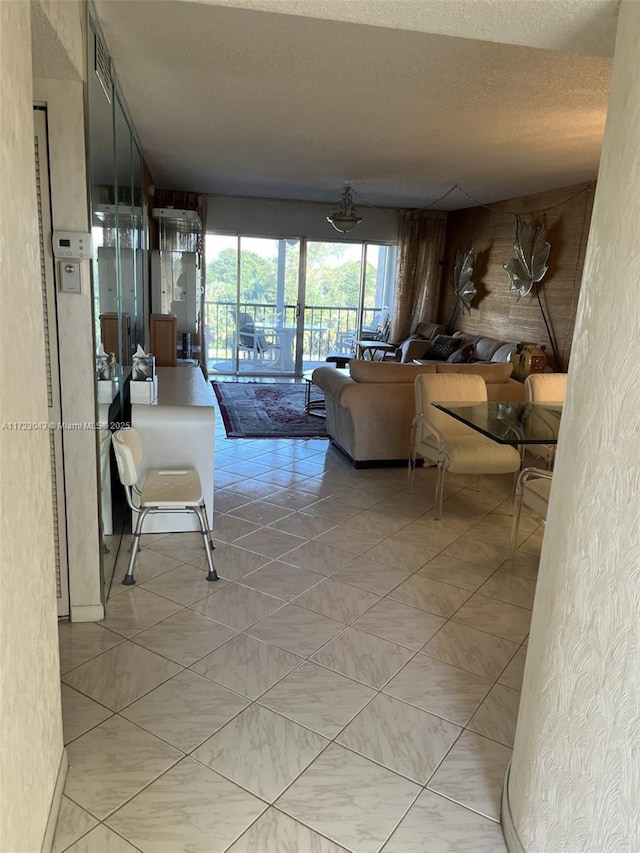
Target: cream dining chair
x=162, y=491
x=532, y=490
x=545, y=388
x=452, y=445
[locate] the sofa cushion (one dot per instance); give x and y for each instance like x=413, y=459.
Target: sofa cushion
x=442, y=347
x=467, y=337
x=462, y=355
x=504, y=352
x=485, y=348
x=491, y=373
x=386, y=371
x=428, y=330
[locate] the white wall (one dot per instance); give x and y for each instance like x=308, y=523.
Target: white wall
x=575, y=777
x=30, y=715
x=276, y=218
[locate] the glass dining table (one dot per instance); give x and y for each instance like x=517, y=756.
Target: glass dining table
x=512, y=422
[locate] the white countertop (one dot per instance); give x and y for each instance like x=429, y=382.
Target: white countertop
x=183, y=386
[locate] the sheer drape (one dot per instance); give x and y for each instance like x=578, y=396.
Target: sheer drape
x=421, y=239
x=202, y=213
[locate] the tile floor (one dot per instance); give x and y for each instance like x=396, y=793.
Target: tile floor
x=350, y=684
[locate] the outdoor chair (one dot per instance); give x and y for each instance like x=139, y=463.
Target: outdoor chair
x=532, y=489
x=262, y=343
x=452, y=445
x=345, y=341
x=162, y=491
x=378, y=330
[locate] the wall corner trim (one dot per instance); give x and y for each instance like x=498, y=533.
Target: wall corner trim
x=511, y=837
x=87, y=612
x=56, y=801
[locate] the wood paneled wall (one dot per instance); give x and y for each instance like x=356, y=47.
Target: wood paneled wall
x=495, y=311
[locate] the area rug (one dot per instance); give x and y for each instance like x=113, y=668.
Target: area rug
x=267, y=410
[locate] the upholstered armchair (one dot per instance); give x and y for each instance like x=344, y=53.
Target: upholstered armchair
x=450, y=444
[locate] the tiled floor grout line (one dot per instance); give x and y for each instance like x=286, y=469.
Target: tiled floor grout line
x=344, y=479
x=285, y=813
x=292, y=601
x=84, y=834
x=332, y=740
x=379, y=691
x=389, y=836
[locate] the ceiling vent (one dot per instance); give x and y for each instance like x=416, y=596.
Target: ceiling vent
x=103, y=67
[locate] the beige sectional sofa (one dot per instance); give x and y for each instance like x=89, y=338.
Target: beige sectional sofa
x=370, y=407
x=475, y=347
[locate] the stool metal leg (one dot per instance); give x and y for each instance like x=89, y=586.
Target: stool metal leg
x=201, y=512
x=209, y=531
x=128, y=579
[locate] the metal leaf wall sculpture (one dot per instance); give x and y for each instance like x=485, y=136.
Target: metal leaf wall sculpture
x=530, y=263
x=463, y=287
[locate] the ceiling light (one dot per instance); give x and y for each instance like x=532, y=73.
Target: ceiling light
x=345, y=217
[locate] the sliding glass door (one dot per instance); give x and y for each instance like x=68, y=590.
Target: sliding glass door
x=280, y=306
x=251, y=298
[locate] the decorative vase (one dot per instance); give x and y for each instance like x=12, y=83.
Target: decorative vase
x=528, y=358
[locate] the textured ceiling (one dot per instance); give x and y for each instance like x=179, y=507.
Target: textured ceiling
x=580, y=26
x=49, y=58
x=242, y=101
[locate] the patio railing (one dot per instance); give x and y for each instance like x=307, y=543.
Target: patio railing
x=327, y=328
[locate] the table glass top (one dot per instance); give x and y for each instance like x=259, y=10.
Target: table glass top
x=510, y=422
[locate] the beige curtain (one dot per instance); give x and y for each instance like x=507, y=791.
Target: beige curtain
x=202, y=329
x=421, y=240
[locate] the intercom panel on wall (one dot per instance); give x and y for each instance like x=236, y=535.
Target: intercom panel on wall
x=69, y=248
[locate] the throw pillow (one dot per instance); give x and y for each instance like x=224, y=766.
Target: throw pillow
x=462, y=355
x=442, y=347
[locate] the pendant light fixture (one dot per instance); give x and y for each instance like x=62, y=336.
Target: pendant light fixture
x=345, y=218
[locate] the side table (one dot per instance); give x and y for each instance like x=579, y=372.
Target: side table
x=371, y=347
x=312, y=407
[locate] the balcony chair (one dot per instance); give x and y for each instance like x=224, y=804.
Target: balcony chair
x=532, y=489
x=378, y=330
x=162, y=491
x=345, y=341
x=452, y=445
x=261, y=343
x=545, y=388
